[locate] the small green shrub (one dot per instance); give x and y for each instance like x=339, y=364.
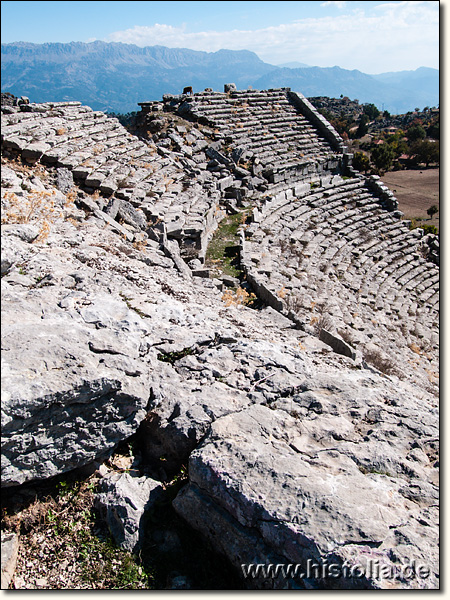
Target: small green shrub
x=429, y=229
x=172, y=357
x=63, y=537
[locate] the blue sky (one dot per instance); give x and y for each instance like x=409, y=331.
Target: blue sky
x=373, y=37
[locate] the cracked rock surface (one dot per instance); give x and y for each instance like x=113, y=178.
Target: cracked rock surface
x=345, y=472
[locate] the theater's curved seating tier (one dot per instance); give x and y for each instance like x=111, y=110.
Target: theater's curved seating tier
x=333, y=257
x=266, y=125
x=102, y=156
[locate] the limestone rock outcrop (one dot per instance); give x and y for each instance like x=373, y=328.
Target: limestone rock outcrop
x=331, y=474
x=9, y=551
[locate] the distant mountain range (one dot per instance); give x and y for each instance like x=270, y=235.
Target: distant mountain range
x=294, y=65
x=115, y=77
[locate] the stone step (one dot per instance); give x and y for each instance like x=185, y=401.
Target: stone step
x=434, y=300
x=73, y=160
x=385, y=284
x=410, y=284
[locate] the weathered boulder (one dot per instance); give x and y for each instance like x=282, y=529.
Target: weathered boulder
x=72, y=387
x=9, y=552
x=123, y=498
x=64, y=180
x=348, y=475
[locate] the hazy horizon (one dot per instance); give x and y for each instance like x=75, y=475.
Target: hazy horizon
x=290, y=64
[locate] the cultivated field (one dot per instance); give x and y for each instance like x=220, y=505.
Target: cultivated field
x=416, y=190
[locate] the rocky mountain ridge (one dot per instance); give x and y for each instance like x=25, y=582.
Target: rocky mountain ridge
x=114, y=76
x=310, y=424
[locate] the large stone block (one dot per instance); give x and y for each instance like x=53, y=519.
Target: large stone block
x=62, y=406
x=291, y=487
x=123, y=499
x=9, y=552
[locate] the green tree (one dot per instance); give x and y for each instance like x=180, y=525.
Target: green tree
x=433, y=210
x=362, y=127
x=361, y=162
x=398, y=144
x=425, y=152
x=341, y=124
x=416, y=132
x=433, y=129
x=371, y=111
x=383, y=157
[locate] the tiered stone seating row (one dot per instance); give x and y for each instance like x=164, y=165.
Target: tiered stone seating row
x=266, y=124
x=336, y=247
x=103, y=156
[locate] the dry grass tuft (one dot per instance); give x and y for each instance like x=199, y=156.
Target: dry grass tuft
x=240, y=297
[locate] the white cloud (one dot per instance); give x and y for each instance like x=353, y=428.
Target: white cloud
x=337, y=3
x=397, y=36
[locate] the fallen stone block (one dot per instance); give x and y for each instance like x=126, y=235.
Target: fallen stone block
x=132, y=216
x=224, y=183
x=203, y=273
x=172, y=250
x=231, y=282
x=9, y=552
x=123, y=499
x=337, y=344
x=64, y=180
x=114, y=225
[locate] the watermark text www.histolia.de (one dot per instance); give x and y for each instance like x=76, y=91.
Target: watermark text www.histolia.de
x=372, y=569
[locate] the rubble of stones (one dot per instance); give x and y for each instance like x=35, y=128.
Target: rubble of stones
x=310, y=426
x=338, y=107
